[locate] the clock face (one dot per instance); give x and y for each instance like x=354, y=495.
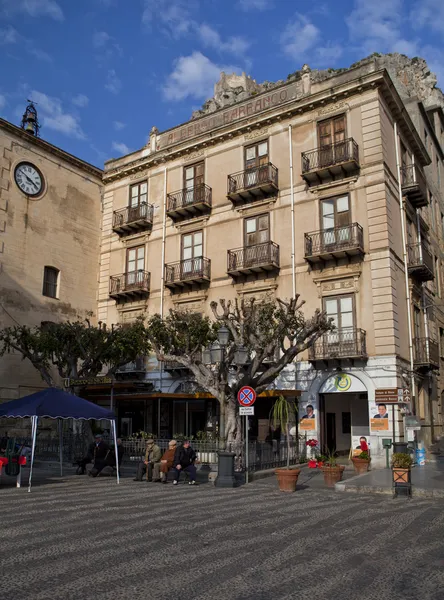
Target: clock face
x=29, y=179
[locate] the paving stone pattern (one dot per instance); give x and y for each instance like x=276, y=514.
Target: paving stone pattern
x=85, y=538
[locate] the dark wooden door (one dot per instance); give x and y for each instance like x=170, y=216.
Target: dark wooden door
x=331, y=431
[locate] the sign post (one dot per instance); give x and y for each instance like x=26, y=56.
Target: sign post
x=246, y=398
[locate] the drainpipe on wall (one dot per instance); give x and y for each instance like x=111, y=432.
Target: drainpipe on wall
x=162, y=287
x=293, y=244
x=406, y=272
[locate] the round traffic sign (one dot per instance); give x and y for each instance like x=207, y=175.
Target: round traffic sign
x=246, y=396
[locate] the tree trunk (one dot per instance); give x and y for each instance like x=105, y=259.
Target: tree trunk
x=233, y=430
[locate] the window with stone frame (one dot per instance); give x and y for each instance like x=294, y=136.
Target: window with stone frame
x=50, y=282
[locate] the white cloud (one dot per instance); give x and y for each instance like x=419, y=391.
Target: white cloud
x=193, y=76
x=38, y=52
x=428, y=13
x=113, y=83
x=298, y=37
x=118, y=125
x=212, y=39
x=255, y=4
x=9, y=35
x=80, y=100
x=33, y=8
x=377, y=26
x=173, y=15
x=121, y=147
x=100, y=38
x=2, y=101
x=53, y=116
x=327, y=55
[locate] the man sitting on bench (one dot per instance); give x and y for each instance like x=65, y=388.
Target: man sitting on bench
x=184, y=461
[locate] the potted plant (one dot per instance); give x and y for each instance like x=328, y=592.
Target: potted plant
x=401, y=471
x=361, y=462
x=331, y=470
x=320, y=460
x=284, y=413
x=312, y=444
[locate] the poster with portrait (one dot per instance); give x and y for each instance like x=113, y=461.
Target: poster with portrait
x=357, y=446
x=380, y=418
x=307, y=421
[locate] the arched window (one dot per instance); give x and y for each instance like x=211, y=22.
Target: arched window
x=50, y=282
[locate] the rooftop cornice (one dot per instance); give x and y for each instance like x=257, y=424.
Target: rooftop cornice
x=333, y=94
x=54, y=150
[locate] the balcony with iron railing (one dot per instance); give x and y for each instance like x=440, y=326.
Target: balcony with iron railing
x=133, y=219
x=420, y=262
x=335, y=243
x=132, y=284
x=425, y=353
x=331, y=162
x=414, y=186
x=347, y=343
x=188, y=203
x=253, y=259
x=187, y=272
x=253, y=184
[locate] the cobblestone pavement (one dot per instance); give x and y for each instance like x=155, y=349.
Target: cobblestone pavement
x=88, y=538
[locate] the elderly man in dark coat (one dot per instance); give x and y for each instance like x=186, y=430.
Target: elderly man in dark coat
x=97, y=454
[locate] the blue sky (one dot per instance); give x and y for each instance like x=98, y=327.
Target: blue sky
x=103, y=72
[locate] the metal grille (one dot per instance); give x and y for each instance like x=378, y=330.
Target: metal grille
x=328, y=156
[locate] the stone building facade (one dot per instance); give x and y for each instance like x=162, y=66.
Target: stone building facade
x=204, y=212
x=50, y=218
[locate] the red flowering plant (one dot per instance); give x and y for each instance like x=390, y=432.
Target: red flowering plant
x=312, y=444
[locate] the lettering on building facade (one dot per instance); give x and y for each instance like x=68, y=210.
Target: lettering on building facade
x=232, y=114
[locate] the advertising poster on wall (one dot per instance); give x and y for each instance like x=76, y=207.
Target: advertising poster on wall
x=380, y=418
x=308, y=419
x=359, y=444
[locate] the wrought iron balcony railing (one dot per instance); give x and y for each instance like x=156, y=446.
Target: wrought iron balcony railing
x=425, y=353
x=414, y=186
x=129, y=284
x=334, y=243
x=193, y=270
x=133, y=218
x=253, y=258
x=420, y=262
x=254, y=183
x=343, y=155
x=187, y=202
x=340, y=343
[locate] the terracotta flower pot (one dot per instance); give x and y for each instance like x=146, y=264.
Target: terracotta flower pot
x=320, y=464
x=332, y=474
x=287, y=479
x=361, y=465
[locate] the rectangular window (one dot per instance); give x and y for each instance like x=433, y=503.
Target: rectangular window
x=50, y=281
x=441, y=342
x=332, y=131
x=192, y=252
x=138, y=194
x=417, y=322
x=437, y=277
x=256, y=164
x=193, y=180
x=341, y=310
x=256, y=230
x=335, y=220
x=404, y=156
x=432, y=210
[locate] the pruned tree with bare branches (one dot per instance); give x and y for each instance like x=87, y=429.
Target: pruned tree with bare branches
x=272, y=331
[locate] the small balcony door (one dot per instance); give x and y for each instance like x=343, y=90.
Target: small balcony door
x=256, y=164
x=331, y=136
x=336, y=221
x=192, y=253
x=342, y=339
x=135, y=266
x=257, y=234
x=194, y=177
x=138, y=197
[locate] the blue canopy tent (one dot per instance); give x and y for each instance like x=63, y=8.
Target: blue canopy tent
x=53, y=403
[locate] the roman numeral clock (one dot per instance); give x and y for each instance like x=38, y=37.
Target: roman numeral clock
x=29, y=179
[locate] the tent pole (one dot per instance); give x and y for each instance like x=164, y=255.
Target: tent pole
x=113, y=425
x=61, y=446
x=34, y=435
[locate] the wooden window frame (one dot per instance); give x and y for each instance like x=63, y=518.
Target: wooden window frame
x=182, y=246
x=336, y=225
x=193, y=166
x=137, y=248
x=137, y=185
x=338, y=297
x=331, y=120
x=47, y=285
x=245, y=228
x=256, y=145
